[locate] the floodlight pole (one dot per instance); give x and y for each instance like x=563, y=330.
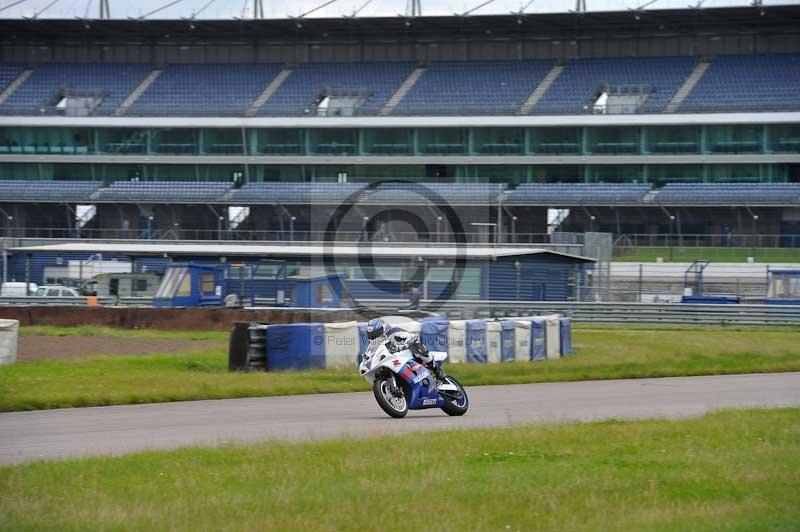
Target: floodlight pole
x=314, y=10
x=258, y=8
x=105, y=10
x=580, y=6
x=9, y=6
x=479, y=6
x=413, y=8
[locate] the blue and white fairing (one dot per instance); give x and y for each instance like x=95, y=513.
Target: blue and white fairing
x=422, y=386
x=421, y=383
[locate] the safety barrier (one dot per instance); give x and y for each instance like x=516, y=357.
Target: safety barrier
x=57, y=301
x=9, y=334
x=338, y=345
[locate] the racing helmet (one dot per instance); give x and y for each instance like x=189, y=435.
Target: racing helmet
x=375, y=328
x=419, y=349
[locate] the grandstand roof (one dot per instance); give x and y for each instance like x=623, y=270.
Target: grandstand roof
x=294, y=250
x=538, y=25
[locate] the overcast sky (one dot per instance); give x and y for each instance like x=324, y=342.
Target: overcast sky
x=280, y=9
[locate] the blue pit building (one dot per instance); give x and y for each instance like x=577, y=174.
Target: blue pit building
x=263, y=272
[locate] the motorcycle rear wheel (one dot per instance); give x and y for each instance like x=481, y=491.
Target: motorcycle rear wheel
x=456, y=407
x=396, y=407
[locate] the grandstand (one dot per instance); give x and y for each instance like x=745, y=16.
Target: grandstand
x=662, y=122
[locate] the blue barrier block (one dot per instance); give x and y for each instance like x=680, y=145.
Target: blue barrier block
x=565, y=330
x=295, y=346
x=434, y=333
x=538, y=339
x=711, y=300
x=507, y=341
x=476, y=341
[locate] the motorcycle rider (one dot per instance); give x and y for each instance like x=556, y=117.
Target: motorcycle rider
x=398, y=339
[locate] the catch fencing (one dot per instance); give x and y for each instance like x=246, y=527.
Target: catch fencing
x=644, y=313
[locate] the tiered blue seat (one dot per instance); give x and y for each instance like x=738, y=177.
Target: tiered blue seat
x=577, y=193
x=436, y=193
x=205, y=90
x=768, y=82
x=296, y=193
x=39, y=93
x=727, y=193
x=573, y=90
x=377, y=81
x=11, y=190
x=473, y=88
x=8, y=73
x=164, y=191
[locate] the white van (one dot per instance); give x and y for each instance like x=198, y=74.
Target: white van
x=55, y=290
x=17, y=289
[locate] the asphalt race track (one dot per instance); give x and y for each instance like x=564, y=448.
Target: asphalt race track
x=55, y=434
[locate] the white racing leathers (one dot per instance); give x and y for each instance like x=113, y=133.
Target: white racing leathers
x=402, y=339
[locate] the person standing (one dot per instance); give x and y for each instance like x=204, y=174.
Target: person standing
x=413, y=297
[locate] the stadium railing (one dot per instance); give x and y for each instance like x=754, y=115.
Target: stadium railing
x=708, y=240
x=181, y=234
x=622, y=242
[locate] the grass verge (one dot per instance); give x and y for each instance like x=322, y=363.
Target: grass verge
x=608, y=353
x=732, y=470
x=111, y=332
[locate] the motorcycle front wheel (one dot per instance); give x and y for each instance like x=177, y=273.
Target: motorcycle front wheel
x=392, y=405
x=455, y=406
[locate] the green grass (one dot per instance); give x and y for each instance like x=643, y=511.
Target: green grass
x=111, y=332
x=607, y=353
x=714, y=254
x=732, y=470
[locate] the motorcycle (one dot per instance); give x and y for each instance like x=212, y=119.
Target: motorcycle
x=400, y=383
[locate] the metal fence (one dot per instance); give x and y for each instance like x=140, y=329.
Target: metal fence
x=287, y=235
x=631, y=313
x=722, y=240
x=645, y=313
x=623, y=243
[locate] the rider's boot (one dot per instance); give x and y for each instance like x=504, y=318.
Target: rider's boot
x=437, y=372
